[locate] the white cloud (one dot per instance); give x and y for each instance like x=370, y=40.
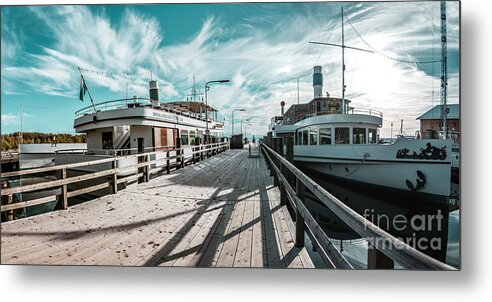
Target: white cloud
x=263, y=62
x=12, y=119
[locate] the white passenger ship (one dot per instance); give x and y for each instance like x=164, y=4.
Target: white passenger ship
x=127, y=126
x=335, y=139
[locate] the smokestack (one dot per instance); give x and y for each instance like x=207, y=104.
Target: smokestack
x=154, y=92
x=318, y=82
x=282, y=104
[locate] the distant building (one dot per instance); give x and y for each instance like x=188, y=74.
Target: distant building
x=430, y=121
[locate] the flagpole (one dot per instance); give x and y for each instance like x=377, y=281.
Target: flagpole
x=90, y=96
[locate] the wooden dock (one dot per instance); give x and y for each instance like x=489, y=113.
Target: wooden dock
x=221, y=212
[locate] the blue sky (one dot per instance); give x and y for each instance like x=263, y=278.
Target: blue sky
x=262, y=48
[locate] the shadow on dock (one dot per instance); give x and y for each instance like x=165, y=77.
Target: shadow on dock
x=222, y=212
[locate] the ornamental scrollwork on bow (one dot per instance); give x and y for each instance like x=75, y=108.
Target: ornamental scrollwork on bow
x=430, y=152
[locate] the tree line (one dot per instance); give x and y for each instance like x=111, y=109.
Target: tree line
x=11, y=141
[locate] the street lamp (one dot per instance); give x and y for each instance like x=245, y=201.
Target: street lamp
x=245, y=132
x=237, y=109
x=243, y=120
x=206, y=103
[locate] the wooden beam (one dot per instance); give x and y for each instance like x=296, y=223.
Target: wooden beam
x=28, y=203
x=56, y=183
x=88, y=189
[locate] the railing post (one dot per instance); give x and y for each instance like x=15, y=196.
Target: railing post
x=140, y=149
x=147, y=168
x=283, y=191
x=377, y=260
x=300, y=226
x=10, y=200
x=178, y=153
x=63, y=203
x=289, y=141
x=168, y=163
x=115, y=177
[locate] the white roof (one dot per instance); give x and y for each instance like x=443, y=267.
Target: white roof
x=49, y=148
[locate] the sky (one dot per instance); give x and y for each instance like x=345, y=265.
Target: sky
x=262, y=48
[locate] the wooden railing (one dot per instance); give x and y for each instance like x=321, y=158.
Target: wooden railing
x=142, y=167
x=393, y=249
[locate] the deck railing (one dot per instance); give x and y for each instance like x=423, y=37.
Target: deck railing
x=393, y=249
x=144, y=166
x=140, y=102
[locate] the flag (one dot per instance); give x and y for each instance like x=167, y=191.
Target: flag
x=83, y=88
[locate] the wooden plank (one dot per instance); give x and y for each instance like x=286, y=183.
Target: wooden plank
x=201, y=240
x=28, y=203
x=129, y=178
x=88, y=189
x=289, y=252
x=231, y=239
x=244, y=247
x=257, y=256
x=199, y=222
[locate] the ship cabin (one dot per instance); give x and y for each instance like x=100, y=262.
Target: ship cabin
x=123, y=126
x=325, y=123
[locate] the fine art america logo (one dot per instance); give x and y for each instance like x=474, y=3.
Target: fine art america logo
x=413, y=225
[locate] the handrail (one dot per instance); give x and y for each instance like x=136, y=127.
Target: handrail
x=89, y=163
x=370, y=112
x=132, y=100
x=397, y=250
x=136, y=102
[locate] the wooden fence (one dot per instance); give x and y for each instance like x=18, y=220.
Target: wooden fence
x=142, y=168
x=293, y=184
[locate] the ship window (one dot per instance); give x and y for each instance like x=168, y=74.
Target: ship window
x=305, y=137
x=359, y=135
x=342, y=135
x=318, y=106
x=299, y=138
x=313, y=136
x=184, y=137
x=199, y=137
x=372, y=136
x=192, y=138
x=107, y=140
x=325, y=136
x=324, y=106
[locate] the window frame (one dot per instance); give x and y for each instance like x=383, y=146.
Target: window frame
x=347, y=137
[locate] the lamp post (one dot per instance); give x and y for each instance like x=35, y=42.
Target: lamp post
x=237, y=109
x=243, y=120
x=245, y=133
x=206, y=103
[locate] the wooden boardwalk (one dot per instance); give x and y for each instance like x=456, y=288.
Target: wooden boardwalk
x=221, y=212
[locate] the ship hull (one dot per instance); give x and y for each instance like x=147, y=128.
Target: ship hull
x=380, y=166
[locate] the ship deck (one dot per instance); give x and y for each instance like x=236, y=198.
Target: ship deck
x=222, y=212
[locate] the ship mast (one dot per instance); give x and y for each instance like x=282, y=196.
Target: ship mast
x=343, y=65
x=444, y=71
x=343, y=46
